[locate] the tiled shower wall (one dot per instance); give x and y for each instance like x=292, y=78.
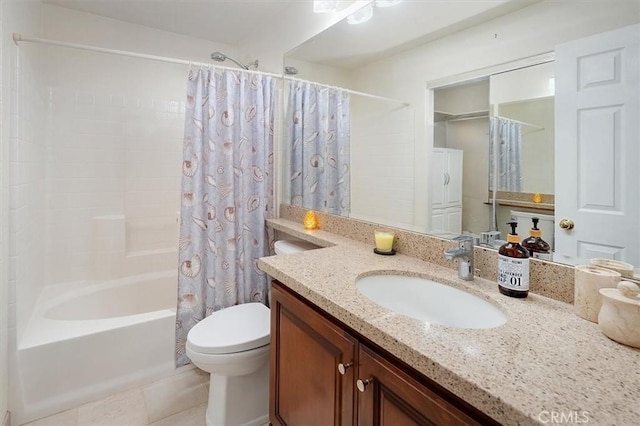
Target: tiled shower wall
x=26, y=193
x=113, y=178
x=382, y=161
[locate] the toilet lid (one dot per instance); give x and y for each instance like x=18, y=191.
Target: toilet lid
x=235, y=329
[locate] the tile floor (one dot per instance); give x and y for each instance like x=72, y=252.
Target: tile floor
x=123, y=409
x=180, y=400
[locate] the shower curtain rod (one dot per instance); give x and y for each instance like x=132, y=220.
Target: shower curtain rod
x=524, y=123
x=353, y=92
x=17, y=38
x=20, y=38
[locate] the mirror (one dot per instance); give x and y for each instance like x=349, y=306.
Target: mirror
x=412, y=54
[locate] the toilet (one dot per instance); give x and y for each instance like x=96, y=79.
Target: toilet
x=233, y=346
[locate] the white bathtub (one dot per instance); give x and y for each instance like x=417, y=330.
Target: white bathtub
x=86, y=340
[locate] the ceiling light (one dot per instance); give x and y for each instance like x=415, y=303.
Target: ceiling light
x=322, y=6
x=361, y=15
x=386, y=3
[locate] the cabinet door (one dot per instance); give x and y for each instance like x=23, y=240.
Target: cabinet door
x=438, y=220
x=453, y=220
x=306, y=386
x=392, y=398
x=453, y=172
x=438, y=178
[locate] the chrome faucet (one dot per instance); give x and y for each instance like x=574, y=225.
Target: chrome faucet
x=464, y=254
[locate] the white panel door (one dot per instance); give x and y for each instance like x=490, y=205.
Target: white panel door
x=453, y=178
x=597, y=146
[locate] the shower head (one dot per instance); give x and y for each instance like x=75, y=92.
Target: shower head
x=218, y=56
x=290, y=70
x=221, y=57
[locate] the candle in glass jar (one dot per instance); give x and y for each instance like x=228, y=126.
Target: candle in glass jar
x=384, y=241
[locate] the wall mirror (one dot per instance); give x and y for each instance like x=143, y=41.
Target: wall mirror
x=421, y=82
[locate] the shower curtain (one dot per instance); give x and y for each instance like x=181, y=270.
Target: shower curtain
x=509, y=158
x=227, y=193
x=320, y=127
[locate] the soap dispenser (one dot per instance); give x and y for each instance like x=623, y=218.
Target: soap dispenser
x=538, y=248
x=513, y=266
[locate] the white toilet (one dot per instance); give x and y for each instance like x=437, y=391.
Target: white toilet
x=233, y=345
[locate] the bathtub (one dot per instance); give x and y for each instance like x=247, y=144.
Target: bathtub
x=87, y=340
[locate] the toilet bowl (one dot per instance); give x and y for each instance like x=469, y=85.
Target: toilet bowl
x=233, y=346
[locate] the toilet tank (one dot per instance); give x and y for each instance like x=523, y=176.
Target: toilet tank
x=546, y=225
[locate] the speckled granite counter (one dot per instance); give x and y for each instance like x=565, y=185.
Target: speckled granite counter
x=543, y=360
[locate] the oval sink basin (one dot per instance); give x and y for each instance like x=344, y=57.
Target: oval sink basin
x=431, y=301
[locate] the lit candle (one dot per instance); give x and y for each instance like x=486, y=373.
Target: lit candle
x=384, y=241
x=310, y=221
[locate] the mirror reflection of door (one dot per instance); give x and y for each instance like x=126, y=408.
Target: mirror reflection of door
x=597, y=162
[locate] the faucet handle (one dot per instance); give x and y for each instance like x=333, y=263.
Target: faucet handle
x=466, y=241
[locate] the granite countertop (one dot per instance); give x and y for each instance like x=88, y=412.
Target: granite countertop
x=544, y=360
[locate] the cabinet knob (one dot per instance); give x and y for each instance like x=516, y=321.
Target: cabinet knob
x=567, y=224
x=342, y=368
x=362, y=384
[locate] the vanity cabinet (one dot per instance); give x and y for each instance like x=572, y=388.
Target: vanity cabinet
x=306, y=387
x=322, y=373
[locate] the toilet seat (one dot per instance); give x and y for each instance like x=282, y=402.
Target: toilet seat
x=231, y=330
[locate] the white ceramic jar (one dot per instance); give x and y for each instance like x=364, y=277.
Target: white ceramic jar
x=620, y=313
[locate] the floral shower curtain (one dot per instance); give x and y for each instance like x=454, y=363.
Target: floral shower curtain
x=320, y=126
x=509, y=159
x=227, y=193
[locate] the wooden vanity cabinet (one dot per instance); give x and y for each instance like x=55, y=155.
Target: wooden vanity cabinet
x=389, y=397
x=306, y=387
x=324, y=374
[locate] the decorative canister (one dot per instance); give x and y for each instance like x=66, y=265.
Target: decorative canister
x=623, y=268
x=588, y=280
x=620, y=313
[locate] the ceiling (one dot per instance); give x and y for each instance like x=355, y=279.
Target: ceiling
x=224, y=21
x=408, y=24
x=397, y=28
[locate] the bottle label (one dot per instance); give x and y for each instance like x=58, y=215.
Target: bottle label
x=513, y=273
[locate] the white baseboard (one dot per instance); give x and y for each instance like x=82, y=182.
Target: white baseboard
x=7, y=419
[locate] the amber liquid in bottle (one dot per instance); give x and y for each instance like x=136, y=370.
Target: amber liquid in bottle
x=513, y=267
x=536, y=246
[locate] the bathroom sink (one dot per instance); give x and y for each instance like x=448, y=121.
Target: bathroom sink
x=430, y=301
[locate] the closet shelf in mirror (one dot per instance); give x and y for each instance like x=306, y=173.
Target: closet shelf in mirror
x=439, y=116
x=524, y=199
x=527, y=204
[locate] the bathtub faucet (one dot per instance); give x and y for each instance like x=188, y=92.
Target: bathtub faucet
x=464, y=254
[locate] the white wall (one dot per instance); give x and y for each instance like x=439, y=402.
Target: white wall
x=21, y=163
x=271, y=44
x=526, y=32
x=320, y=73
x=4, y=231
x=537, y=142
